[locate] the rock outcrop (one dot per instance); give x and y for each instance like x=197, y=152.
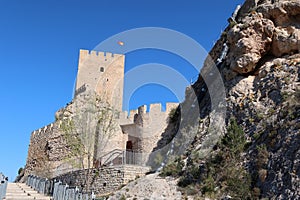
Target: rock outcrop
x=261, y=75
x=248, y=42
x=286, y=40
x=262, y=79
x=262, y=27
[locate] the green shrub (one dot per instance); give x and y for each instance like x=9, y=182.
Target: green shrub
x=256, y=135
x=158, y=159
x=224, y=172
x=262, y=156
x=20, y=170
x=235, y=139
x=174, y=115
x=173, y=168
x=122, y=197
x=209, y=185
x=232, y=23
x=192, y=176
x=260, y=116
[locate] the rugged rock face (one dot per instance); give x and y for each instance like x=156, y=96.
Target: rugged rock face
x=261, y=75
x=262, y=80
x=248, y=42
x=281, y=12
x=262, y=27
x=267, y=106
x=286, y=40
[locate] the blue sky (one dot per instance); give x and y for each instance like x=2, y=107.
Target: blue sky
x=40, y=42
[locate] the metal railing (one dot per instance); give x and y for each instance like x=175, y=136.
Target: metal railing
x=41, y=185
x=122, y=157
x=112, y=157
x=3, y=186
x=57, y=189
x=66, y=192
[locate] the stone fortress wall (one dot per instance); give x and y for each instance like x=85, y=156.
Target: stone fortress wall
x=47, y=153
x=138, y=130
x=106, y=179
x=37, y=150
x=143, y=129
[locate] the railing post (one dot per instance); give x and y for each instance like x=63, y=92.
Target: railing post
x=54, y=188
x=93, y=196
x=3, y=186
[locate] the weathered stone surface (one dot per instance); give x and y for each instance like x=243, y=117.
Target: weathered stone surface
x=262, y=80
x=282, y=13
x=248, y=6
x=248, y=42
x=285, y=40
x=104, y=180
x=262, y=28
x=266, y=104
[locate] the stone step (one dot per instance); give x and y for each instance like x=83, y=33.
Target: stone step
x=20, y=191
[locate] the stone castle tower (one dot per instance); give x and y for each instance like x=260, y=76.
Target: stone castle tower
x=136, y=133
x=103, y=73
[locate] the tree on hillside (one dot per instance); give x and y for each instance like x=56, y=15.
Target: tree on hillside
x=87, y=131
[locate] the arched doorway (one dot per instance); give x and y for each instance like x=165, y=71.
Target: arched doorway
x=129, y=146
x=129, y=153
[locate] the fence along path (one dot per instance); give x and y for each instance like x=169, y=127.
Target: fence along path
x=20, y=191
x=57, y=190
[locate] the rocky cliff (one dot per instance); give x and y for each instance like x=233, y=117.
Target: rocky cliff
x=261, y=78
x=259, y=155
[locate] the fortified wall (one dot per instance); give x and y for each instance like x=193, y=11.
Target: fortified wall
x=38, y=152
x=106, y=179
x=143, y=129
x=137, y=131
x=47, y=152
x=135, y=137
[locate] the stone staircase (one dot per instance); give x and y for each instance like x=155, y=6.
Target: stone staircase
x=20, y=191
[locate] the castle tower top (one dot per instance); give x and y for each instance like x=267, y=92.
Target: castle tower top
x=103, y=73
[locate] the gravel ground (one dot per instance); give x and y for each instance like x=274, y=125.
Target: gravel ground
x=150, y=187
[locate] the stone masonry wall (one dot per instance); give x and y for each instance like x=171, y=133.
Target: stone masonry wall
x=104, y=180
x=47, y=152
x=154, y=124
x=103, y=73
x=145, y=128
x=36, y=152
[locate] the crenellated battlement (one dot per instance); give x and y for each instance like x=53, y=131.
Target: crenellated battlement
x=154, y=110
x=102, y=72
x=101, y=55
x=43, y=130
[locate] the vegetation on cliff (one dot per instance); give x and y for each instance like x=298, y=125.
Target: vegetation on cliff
x=259, y=155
